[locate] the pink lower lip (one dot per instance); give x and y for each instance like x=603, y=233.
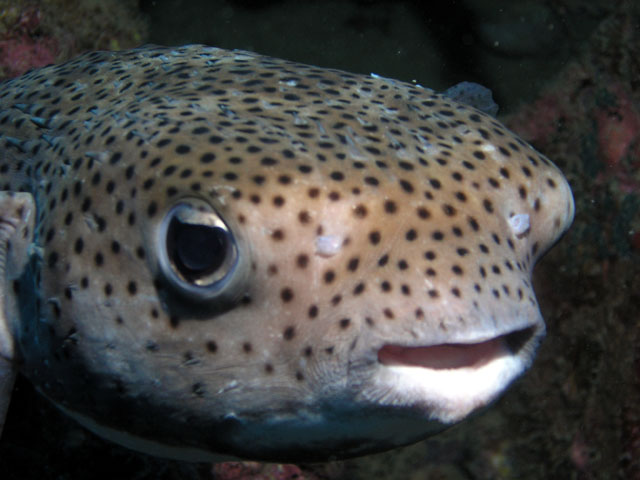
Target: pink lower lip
x=445, y=356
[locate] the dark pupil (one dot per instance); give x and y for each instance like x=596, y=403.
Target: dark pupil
x=196, y=250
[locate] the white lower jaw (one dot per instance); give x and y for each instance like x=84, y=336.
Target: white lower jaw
x=447, y=382
x=448, y=395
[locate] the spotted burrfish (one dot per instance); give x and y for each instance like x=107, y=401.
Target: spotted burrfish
x=210, y=253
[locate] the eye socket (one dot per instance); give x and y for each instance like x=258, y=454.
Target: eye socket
x=197, y=252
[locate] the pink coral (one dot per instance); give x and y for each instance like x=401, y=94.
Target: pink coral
x=601, y=106
x=618, y=136
x=538, y=122
x=259, y=471
x=19, y=54
x=618, y=127
x=22, y=48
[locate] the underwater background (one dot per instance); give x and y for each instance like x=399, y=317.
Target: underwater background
x=566, y=74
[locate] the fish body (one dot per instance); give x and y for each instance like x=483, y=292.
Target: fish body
x=240, y=255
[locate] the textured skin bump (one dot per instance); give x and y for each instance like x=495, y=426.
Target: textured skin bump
x=374, y=218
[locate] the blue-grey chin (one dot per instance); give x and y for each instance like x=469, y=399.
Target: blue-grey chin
x=450, y=380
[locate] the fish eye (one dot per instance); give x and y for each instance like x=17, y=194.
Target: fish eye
x=197, y=251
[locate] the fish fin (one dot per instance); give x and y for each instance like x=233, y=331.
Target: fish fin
x=17, y=221
x=474, y=94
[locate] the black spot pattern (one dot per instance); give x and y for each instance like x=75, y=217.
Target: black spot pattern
x=411, y=191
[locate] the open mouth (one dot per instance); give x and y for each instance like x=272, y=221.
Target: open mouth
x=450, y=356
x=450, y=380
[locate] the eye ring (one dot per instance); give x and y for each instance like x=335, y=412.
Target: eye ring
x=198, y=254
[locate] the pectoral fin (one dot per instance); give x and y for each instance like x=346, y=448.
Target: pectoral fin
x=17, y=219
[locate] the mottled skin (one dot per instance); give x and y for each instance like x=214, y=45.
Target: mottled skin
x=363, y=250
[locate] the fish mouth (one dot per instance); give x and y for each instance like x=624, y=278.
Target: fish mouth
x=448, y=381
x=449, y=356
